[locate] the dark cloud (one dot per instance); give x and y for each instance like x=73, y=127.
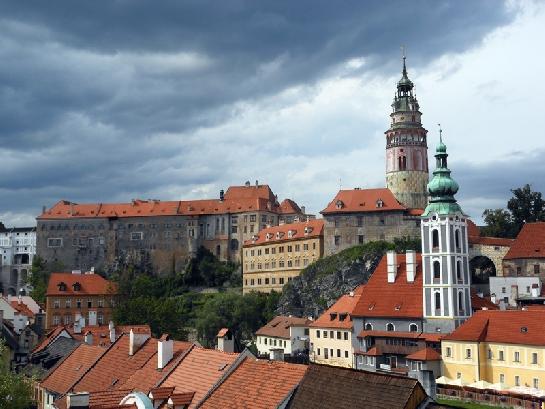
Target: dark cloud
x=91, y=90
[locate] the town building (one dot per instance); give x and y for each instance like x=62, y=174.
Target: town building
x=283, y=336
x=498, y=347
x=357, y=216
x=331, y=334
x=17, y=250
x=516, y=291
x=275, y=255
x=526, y=257
x=153, y=232
x=86, y=299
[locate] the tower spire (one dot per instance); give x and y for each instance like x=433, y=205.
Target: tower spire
x=404, y=61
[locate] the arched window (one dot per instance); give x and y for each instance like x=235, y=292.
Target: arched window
x=435, y=240
x=436, y=271
x=413, y=328
x=459, y=271
x=390, y=327
x=461, y=303
x=402, y=162
x=457, y=240
x=437, y=300
x=368, y=327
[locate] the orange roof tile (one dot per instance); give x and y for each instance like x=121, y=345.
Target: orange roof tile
x=473, y=229
x=479, y=303
x=363, y=200
x=399, y=299
x=222, y=332
x=90, y=284
x=280, y=325
x=256, y=384
x=161, y=392
x=530, y=242
x=343, y=308
x=22, y=308
x=276, y=234
x=50, y=336
x=198, y=371
x=425, y=354
x=288, y=206
x=373, y=352
x=523, y=327
x=71, y=369
x=102, y=400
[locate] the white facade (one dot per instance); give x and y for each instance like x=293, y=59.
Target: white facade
x=511, y=289
x=446, y=289
x=298, y=341
x=17, y=249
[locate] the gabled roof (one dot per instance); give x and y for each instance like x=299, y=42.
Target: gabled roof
x=280, y=325
x=425, y=354
x=21, y=308
x=288, y=206
x=256, y=384
x=530, y=242
x=90, y=284
x=522, y=327
x=339, y=315
x=398, y=299
x=335, y=387
x=363, y=200
x=71, y=369
x=277, y=234
x=198, y=372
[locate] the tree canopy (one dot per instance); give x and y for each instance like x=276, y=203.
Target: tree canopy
x=15, y=389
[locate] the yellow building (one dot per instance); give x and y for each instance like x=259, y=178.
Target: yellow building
x=277, y=254
x=331, y=333
x=498, y=346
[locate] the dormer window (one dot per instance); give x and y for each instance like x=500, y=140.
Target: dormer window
x=291, y=233
x=269, y=236
x=339, y=204
x=342, y=316
x=76, y=286
x=308, y=230
x=380, y=203
x=333, y=315
x=62, y=286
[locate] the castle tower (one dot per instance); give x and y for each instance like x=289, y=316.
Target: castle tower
x=445, y=261
x=406, y=148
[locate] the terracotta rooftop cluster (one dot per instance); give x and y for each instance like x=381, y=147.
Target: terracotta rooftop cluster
x=285, y=232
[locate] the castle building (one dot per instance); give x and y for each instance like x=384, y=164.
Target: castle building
x=356, y=216
x=406, y=148
x=445, y=258
x=158, y=234
x=17, y=249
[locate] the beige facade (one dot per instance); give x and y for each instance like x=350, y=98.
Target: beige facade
x=332, y=346
x=267, y=266
x=524, y=267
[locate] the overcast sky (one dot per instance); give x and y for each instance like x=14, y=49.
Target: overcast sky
x=106, y=101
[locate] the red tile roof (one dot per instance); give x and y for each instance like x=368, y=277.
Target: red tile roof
x=473, y=229
x=91, y=284
x=237, y=199
x=256, y=384
x=474, y=237
x=425, y=354
x=373, y=352
x=276, y=234
x=71, y=369
x=530, y=242
x=102, y=400
x=399, y=299
x=363, y=200
x=198, y=372
x=479, y=303
x=49, y=338
x=288, y=206
x=343, y=308
x=21, y=308
x=279, y=326
x=523, y=327
x=222, y=332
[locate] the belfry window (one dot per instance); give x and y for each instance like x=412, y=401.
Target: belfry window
x=435, y=240
x=461, y=303
x=457, y=240
x=402, y=162
x=436, y=271
x=437, y=301
x=459, y=271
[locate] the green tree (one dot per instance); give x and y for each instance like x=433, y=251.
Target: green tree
x=15, y=389
x=526, y=206
x=499, y=223
x=39, y=277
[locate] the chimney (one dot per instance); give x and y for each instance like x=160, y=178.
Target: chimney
x=111, y=327
x=303, y=209
x=247, y=184
x=226, y=341
x=410, y=258
x=535, y=290
x=391, y=259
x=222, y=195
x=77, y=323
x=165, y=351
x=136, y=341
x=88, y=338
x=493, y=298
x=514, y=295
x=43, y=209
x=79, y=400
x=256, y=183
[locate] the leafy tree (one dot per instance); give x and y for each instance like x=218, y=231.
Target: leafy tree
x=499, y=223
x=15, y=389
x=526, y=206
x=39, y=277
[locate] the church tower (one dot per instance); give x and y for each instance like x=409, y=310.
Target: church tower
x=445, y=261
x=406, y=148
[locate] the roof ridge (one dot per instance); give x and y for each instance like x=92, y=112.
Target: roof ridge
x=178, y=361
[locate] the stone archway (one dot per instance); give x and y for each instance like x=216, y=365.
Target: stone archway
x=481, y=269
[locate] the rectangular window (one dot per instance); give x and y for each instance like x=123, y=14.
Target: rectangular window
x=281, y=280
x=56, y=319
x=56, y=304
x=346, y=354
x=360, y=221
x=137, y=235
x=290, y=263
x=68, y=304
x=317, y=333
x=360, y=239
x=339, y=335
x=468, y=353
x=252, y=218
x=489, y=353
x=338, y=353
x=517, y=380
x=536, y=268
x=273, y=250
x=502, y=378
x=233, y=229
x=267, y=250
x=318, y=351
x=290, y=249
x=259, y=281
x=331, y=334
x=325, y=334
x=89, y=304
x=500, y=355
x=534, y=357
x=337, y=240
x=536, y=383
x=517, y=357
x=273, y=280
x=54, y=242
x=281, y=249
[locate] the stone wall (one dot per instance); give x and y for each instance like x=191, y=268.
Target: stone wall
x=409, y=187
x=525, y=267
x=494, y=253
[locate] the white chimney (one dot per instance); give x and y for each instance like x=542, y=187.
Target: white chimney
x=391, y=258
x=136, y=341
x=493, y=298
x=165, y=351
x=535, y=290
x=78, y=325
x=79, y=400
x=111, y=327
x=410, y=258
x=88, y=338
x=226, y=341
